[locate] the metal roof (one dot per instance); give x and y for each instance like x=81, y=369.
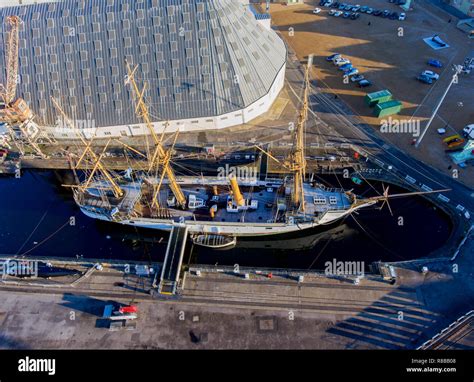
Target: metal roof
x=200, y=58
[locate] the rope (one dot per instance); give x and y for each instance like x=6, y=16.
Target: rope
x=46, y=239
x=33, y=232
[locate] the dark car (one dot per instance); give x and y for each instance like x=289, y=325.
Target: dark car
x=435, y=63
x=345, y=67
x=335, y=5
x=322, y=2
x=364, y=84
x=386, y=13
x=424, y=79
x=355, y=16
x=377, y=12
x=357, y=78
x=342, y=6
x=346, y=15
x=393, y=16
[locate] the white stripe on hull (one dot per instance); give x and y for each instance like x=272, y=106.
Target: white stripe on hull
x=234, y=229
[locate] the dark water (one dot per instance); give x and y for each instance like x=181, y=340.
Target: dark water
x=35, y=212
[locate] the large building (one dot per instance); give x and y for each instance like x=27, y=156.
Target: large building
x=209, y=64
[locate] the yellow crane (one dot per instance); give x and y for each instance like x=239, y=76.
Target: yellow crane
x=14, y=110
x=159, y=155
x=97, y=160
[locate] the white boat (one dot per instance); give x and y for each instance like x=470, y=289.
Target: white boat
x=212, y=241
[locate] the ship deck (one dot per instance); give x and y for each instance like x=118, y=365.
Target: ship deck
x=270, y=205
x=263, y=204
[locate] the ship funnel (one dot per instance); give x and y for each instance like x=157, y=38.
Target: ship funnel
x=239, y=199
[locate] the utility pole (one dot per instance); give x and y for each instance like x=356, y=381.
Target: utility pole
x=458, y=69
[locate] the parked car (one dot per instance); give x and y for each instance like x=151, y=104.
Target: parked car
x=335, y=5
x=322, y=2
x=364, y=84
x=402, y=17
x=468, y=131
x=345, y=66
x=369, y=11
x=337, y=14
x=317, y=10
x=357, y=78
x=386, y=13
x=342, y=6
x=352, y=72
x=328, y=3
x=435, y=63
x=348, y=7
x=431, y=74
x=346, y=15
x=393, y=16
x=332, y=12
x=338, y=58
x=341, y=61
x=364, y=9
x=355, y=16
x=332, y=57
x=377, y=12
x=356, y=8
x=424, y=79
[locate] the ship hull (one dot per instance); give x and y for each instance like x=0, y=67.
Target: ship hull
x=237, y=229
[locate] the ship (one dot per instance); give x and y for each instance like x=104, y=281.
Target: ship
x=213, y=208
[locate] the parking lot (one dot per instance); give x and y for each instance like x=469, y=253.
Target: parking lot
x=391, y=54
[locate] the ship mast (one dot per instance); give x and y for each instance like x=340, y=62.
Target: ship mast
x=298, y=160
x=88, y=151
x=160, y=154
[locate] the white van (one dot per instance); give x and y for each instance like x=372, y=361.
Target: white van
x=468, y=131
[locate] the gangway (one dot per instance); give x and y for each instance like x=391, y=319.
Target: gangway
x=173, y=260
